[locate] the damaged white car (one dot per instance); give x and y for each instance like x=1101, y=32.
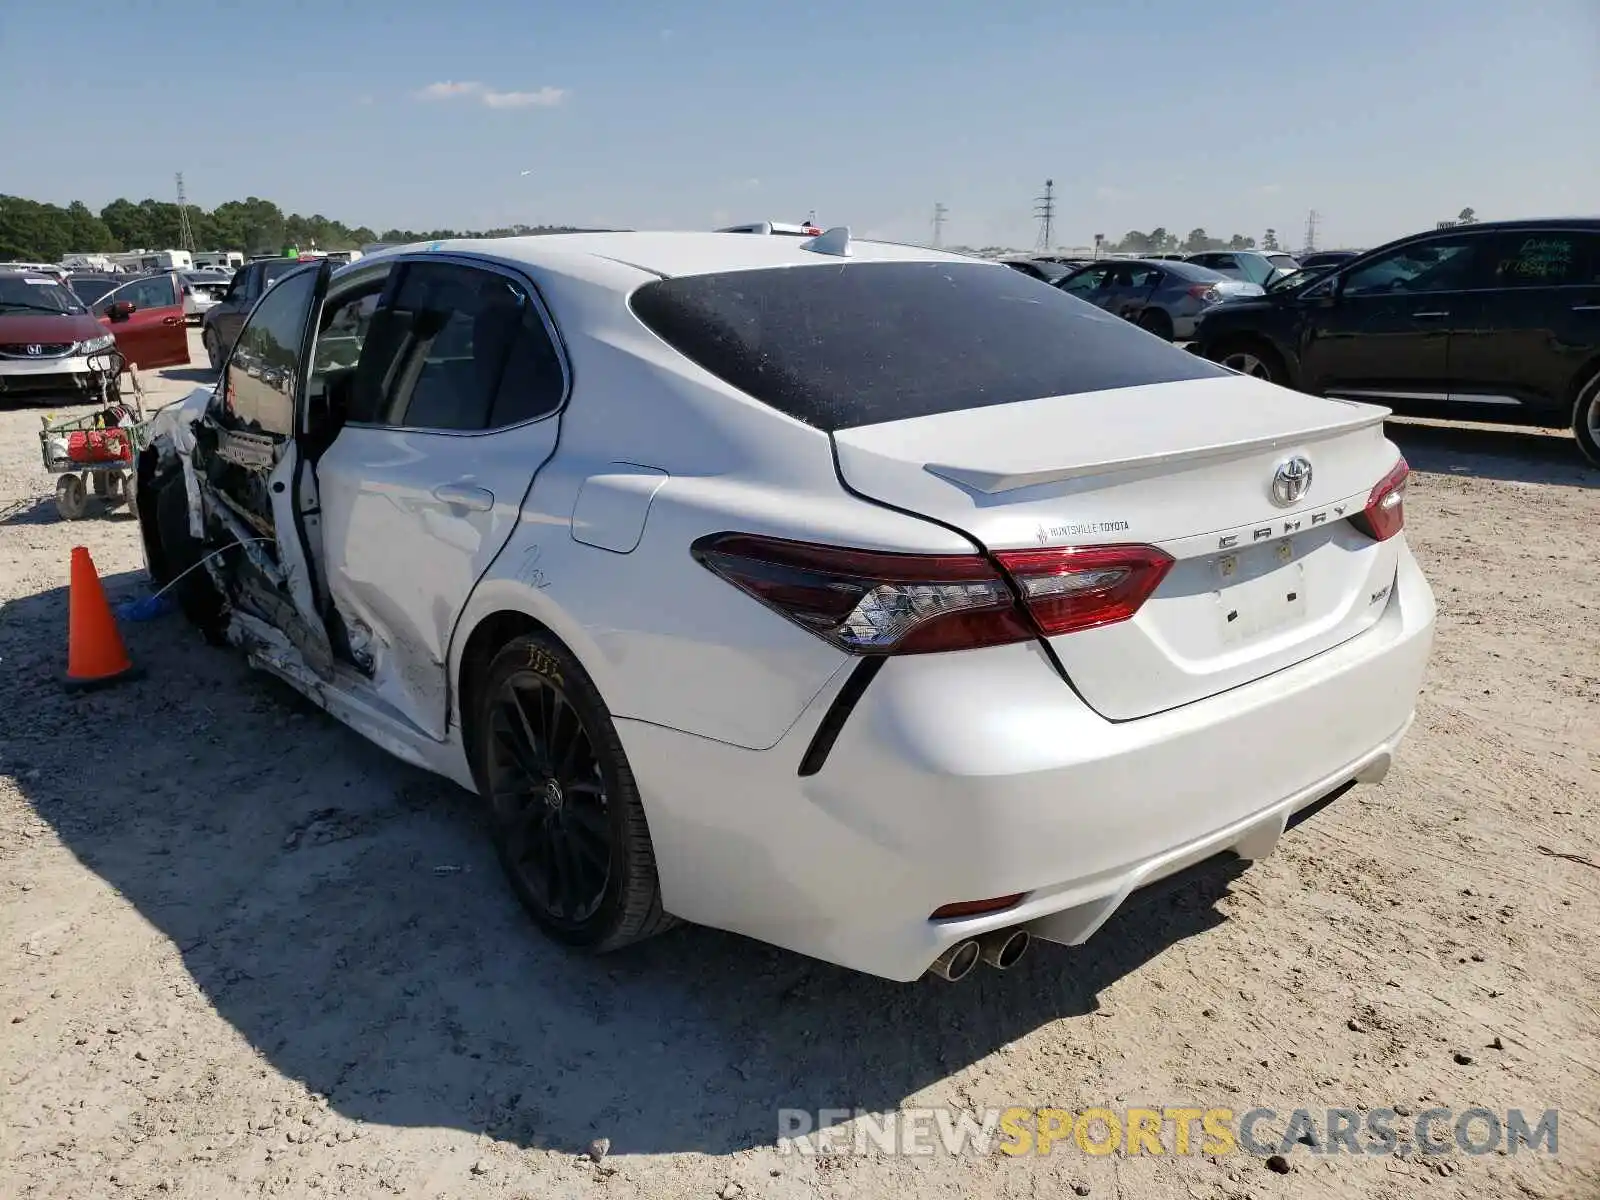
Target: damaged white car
x=880, y=603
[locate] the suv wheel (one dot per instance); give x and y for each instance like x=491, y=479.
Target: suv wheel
x=1586, y=420
x=1252, y=359
x=1154, y=320
x=213, y=348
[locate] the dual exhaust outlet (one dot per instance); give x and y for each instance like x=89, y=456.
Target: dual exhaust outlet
x=1001, y=949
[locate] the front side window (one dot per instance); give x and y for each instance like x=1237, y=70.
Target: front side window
x=1440, y=265
x=851, y=344
x=260, y=381
x=153, y=291
x=459, y=349
x=1086, y=281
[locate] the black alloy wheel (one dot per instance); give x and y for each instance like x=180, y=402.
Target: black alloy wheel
x=549, y=799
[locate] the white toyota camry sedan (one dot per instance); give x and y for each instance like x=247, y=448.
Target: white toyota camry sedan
x=876, y=602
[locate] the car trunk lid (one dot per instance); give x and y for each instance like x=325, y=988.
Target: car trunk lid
x=1189, y=467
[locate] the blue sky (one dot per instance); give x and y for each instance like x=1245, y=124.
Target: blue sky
x=1233, y=115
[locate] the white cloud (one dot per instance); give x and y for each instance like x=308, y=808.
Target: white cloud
x=449, y=90
x=545, y=97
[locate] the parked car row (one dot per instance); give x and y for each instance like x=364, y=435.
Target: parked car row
x=1494, y=321
x=50, y=335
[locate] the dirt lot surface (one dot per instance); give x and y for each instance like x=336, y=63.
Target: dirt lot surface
x=243, y=952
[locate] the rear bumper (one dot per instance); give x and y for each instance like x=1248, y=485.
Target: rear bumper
x=980, y=774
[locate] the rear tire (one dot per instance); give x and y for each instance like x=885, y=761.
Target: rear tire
x=213, y=346
x=1153, y=320
x=565, y=813
x=1586, y=420
x=1252, y=358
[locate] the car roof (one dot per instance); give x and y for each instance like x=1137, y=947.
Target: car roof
x=665, y=254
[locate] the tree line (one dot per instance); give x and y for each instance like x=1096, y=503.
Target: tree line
x=32, y=231
x=1160, y=241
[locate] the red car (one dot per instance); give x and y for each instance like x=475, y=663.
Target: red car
x=146, y=316
x=47, y=338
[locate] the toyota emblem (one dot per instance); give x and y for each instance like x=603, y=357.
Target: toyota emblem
x=34, y=351
x=1291, y=481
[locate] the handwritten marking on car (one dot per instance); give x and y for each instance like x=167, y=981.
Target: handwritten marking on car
x=530, y=572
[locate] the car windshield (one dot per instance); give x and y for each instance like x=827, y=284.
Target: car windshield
x=36, y=293
x=1193, y=272
x=1286, y=283
x=863, y=343
x=1284, y=261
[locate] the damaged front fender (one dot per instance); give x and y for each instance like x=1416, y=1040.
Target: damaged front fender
x=172, y=438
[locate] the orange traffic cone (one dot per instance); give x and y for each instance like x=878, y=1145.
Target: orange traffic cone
x=96, y=656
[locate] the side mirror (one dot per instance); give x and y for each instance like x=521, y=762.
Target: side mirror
x=122, y=310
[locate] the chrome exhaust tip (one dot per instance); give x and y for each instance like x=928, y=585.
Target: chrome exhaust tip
x=1004, y=948
x=956, y=962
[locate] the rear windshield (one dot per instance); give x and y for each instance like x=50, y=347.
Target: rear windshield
x=1193, y=272
x=853, y=344
x=1282, y=260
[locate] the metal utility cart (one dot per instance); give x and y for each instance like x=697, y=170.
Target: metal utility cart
x=95, y=454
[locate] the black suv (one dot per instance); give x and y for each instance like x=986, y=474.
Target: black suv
x=1501, y=319
x=222, y=321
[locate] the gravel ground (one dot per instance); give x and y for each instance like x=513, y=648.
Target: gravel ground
x=243, y=952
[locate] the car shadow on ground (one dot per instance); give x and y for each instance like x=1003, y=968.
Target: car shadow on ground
x=204, y=374
x=344, y=913
x=1508, y=453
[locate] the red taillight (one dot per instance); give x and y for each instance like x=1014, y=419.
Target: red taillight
x=1205, y=293
x=1068, y=589
x=1385, y=513
x=877, y=602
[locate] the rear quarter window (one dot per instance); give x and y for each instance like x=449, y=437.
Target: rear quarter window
x=843, y=345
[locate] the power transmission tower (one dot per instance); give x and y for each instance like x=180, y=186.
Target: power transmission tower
x=1045, y=209
x=1312, y=220
x=940, y=212
x=185, y=233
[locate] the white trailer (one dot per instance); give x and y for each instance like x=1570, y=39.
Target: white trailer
x=153, y=260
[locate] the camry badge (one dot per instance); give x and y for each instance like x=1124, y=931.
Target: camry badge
x=1291, y=481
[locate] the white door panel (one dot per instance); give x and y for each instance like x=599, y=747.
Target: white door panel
x=411, y=520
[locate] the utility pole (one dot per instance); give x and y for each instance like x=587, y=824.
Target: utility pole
x=940, y=212
x=1045, y=209
x=185, y=233
x=1312, y=220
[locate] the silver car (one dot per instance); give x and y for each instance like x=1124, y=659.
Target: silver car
x=1163, y=297
x=1253, y=266
x=201, y=290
